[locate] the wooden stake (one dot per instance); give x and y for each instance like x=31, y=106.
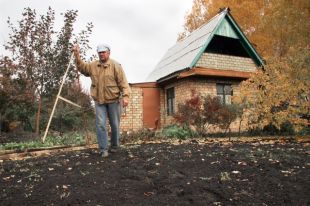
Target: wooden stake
x=68, y=101
x=56, y=101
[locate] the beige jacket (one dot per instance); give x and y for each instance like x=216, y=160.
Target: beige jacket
x=108, y=80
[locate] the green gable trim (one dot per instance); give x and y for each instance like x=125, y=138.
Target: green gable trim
x=229, y=28
x=203, y=48
x=201, y=52
x=225, y=29
x=246, y=43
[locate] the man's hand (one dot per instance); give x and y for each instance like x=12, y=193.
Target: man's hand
x=125, y=102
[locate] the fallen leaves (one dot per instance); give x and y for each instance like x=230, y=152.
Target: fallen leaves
x=242, y=163
x=9, y=178
x=224, y=176
x=288, y=172
x=205, y=178
x=148, y=193
x=149, y=159
x=84, y=173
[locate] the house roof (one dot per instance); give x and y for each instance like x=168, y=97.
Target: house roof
x=185, y=53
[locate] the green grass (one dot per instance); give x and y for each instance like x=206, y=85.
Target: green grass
x=67, y=139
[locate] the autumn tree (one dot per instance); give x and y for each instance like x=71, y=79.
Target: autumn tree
x=247, y=13
x=281, y=87
x=279, y=93
x=16, y=98
x=40, y=54
x=284, y=25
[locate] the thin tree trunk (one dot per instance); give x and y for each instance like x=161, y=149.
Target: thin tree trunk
x=38, y=116
x=239, y=130
x=0, y=123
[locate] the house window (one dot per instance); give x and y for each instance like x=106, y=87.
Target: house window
x=224, y=92
x=170, y=101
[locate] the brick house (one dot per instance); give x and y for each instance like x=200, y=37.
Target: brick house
x=213, y=60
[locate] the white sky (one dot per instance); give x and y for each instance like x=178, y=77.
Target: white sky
x=138, y=31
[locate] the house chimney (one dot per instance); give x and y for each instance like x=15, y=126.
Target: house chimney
x=223, y=9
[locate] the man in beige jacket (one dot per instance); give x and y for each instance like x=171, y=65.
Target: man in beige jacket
x=109, y=86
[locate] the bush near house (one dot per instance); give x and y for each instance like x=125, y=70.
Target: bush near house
x=179, y=132
x=201, y=112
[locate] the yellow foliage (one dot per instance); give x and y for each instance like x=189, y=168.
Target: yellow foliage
x=279, y=93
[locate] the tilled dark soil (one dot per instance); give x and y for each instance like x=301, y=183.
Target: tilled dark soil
x=163, y=174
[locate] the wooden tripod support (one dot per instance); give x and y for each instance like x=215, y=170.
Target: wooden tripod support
x=59, y=97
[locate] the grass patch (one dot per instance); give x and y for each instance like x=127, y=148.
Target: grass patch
x=50, y=141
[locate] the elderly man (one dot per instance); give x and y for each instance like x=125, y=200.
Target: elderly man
x=109, y=86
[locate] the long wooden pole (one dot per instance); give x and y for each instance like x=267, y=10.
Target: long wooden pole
x=56, y=101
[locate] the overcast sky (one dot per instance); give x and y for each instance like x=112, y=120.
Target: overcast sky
x=138, y=31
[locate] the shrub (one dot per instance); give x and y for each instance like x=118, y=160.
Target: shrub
x=189, y=113
x=227, y=115
x=180, y=132
x=202, y=112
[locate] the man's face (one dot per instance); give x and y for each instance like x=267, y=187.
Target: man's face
x=104, y=56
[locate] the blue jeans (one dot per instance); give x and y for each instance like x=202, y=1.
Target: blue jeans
x=113, y=112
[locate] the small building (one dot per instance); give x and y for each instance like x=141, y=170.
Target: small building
x=213, y=60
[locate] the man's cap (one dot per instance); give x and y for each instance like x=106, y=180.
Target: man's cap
x=103, y=48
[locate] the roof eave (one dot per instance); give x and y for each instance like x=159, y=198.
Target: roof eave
x=209, y=72
x=144, y=84
x=171, y=76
